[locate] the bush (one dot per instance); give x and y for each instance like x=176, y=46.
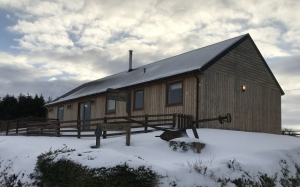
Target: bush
x=66, y=173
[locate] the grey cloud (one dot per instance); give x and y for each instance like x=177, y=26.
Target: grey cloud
x=291, y=109
x=46, y=88
x=287, y=66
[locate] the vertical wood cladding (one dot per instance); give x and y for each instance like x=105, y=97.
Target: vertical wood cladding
x=154, y=101
x=258, y=109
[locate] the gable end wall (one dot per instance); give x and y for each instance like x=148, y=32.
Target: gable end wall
x=258, y=109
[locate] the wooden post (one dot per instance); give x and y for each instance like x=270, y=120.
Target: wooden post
x=17, y=127
x=97, y=141
x=186, y=122
x=78, y=127
x=174, y=120
x=191, y=125
x=146, y=123
x=128, y=108
x=58, y=130
x=7, y=126
x=26, y=121
x=104, y=132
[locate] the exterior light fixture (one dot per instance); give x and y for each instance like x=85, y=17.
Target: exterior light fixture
x=69, y=106
x=244, y=88
x=50, y=110
x=93, y=101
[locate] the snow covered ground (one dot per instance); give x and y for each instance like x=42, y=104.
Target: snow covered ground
x=253, y=152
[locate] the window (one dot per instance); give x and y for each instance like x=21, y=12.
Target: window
x=60, y=113
x=174, y=95
x=139, y=99
x=110, y=106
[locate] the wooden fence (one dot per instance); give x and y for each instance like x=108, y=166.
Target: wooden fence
x=291, y=132
x=17, y=126
x=85, y=128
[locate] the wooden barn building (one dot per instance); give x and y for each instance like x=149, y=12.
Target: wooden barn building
x=227, y=77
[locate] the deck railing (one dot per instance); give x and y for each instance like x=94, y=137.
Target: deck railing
x=85, y=128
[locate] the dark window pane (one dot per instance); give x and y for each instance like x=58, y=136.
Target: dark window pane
x=110, y=106
x=81, y=111
x=60, y=115
x=139, y=99
x=175, y=93
x=87, y=112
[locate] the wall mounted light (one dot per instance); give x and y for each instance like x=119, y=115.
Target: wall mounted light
x=69, y=106
x=50, y=110
x=93, y=101
x=244, y=88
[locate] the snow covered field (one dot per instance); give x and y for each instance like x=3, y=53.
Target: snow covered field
x=253, y=152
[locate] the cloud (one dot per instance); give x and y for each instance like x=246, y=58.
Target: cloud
x=62, y=26
x=287, y=72
x=52, y=79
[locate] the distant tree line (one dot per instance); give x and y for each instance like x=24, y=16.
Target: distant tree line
x=22, y=106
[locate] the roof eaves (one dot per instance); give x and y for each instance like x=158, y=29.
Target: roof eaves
x=124, y=87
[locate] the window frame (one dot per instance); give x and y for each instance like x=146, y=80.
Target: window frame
x=90, y=114
x=134, y=100
x=106, y=112
x=62, y=106
x=167, y=93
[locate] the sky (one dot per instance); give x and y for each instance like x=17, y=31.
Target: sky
x=51, y=47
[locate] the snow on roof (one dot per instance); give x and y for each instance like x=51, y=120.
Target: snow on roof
x=186, y=62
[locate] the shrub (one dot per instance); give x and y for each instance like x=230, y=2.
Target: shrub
x=66, y=173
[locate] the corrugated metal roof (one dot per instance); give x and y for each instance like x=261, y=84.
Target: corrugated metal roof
x=182, y=63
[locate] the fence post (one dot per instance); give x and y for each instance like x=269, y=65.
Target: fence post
x=178, y=121
x=17, y=128
x=78, y=127
x=7, y=126
x=186, y=121
x=174, y=120
x=26, y=121
x=146, y=123
x=58, y=130
x=182, y=121
x=104, y=132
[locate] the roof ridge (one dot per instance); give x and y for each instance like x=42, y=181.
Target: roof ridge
x=170, y=57
x=193, y=50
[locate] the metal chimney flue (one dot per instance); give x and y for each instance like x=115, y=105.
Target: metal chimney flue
x=130, y=60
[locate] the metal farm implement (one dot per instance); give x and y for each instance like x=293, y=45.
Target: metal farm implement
x=170, y=134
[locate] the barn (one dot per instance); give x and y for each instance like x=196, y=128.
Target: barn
x=227, y=77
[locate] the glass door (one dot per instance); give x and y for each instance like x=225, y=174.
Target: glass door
x=85, y=114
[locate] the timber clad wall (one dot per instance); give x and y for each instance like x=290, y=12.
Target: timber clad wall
x=258, y=108
x=154, y=101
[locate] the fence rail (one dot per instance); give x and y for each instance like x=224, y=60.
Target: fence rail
x=291, y=132
x=33, y=126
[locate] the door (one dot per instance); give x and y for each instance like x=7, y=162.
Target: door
x=85, y=114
